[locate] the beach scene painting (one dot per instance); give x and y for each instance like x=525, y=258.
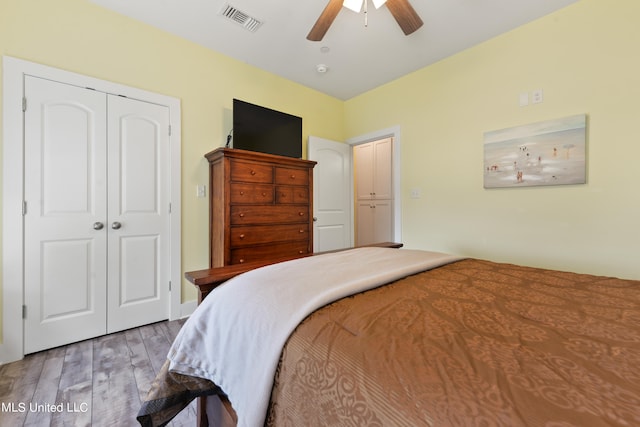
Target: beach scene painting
x=552, y=152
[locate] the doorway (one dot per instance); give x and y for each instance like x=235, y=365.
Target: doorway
x=335, y=173
x=396, y=202
x=119, y=248
x=372, y=162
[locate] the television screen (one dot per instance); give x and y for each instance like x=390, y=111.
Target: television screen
x=265, y=130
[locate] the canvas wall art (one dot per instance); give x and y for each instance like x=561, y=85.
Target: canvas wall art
x=552, y=152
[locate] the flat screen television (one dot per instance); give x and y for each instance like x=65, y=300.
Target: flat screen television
x=262, y=129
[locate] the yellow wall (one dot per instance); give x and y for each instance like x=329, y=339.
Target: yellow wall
x=78, y=36
x=586, y=59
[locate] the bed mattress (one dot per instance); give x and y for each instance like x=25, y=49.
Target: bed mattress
x=465, y=344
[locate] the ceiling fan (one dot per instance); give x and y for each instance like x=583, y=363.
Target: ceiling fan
x=401, y=10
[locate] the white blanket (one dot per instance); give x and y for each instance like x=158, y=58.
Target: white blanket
x=236, y=335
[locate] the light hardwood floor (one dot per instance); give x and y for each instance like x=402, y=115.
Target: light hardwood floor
x=97, y=382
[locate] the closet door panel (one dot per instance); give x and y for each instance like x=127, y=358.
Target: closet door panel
x=138, y=150
x=65, y=195
x=382, y=177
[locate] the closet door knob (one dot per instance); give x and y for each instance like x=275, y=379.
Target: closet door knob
x=98, y=226
x=116, y=225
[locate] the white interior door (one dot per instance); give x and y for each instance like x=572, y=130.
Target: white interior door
x=97, y=221
x=331, y=194
x=65, y=196
x=138, y=219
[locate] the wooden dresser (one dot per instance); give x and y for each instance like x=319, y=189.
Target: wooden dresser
x=260, y=206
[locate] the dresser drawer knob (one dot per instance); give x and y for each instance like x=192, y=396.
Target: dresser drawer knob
x=301, y=213
x=242, y=236
x=241, y=215
x=300, y=252
x=241, y=260
x=293, y=176
x=242, y=193
x=300, y=231
x=253, y=172
x=264, y=194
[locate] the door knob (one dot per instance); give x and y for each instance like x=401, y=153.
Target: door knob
x=116, y=225
x=98, y=226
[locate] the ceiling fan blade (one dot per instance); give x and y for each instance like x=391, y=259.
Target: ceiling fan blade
x=405, y=15
x=324, y=21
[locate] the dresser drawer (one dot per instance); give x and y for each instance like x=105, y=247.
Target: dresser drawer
x=291, y=194
x=292, y=176
x=269, y=214
x=251, y=193
x=261, y=234
x=251, y=172
x=275, y=251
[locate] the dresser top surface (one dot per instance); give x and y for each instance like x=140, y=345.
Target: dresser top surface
x=235, y=153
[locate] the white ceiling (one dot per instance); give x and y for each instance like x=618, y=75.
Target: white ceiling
x=359, y=58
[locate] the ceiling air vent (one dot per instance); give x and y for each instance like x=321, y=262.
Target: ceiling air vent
x=239, y=17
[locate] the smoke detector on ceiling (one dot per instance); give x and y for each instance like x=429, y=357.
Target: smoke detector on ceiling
x=322, y=68
x=239, y=17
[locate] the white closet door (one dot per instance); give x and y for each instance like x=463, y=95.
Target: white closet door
x=365, y=170
x=97, y=191
x=138, y=219
x=382, y=175
x=65, y=195
x=366, y=223
x=374, y=221
x=382, y=230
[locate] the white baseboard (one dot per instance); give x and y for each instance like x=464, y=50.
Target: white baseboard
x=187, y=308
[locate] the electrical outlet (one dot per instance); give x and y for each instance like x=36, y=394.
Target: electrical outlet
x=201, y=191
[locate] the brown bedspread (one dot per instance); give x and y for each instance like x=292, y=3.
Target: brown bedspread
x=472, y=343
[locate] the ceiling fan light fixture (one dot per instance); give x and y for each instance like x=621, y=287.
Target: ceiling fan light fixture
x=401, y=10
x=355, y=5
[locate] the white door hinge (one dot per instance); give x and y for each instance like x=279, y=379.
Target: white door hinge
x=24, y=311
x=24, y=104
x=169, y=130
x=169, y=285
x=24, y=208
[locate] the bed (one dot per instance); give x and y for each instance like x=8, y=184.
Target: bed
x=379, y=337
